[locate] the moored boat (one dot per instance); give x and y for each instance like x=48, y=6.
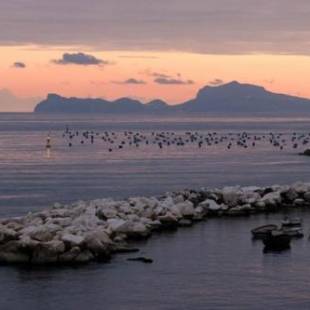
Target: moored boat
x=291, y=222
x=277, y=240
x=294, y=232
x=262, y=231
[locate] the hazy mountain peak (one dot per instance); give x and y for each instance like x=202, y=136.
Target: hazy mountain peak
x=53, y=96
x=157, y=102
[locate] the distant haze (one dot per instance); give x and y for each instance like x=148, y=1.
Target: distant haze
x=11, y=103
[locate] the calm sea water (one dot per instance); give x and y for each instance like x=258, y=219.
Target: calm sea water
x=211, y=266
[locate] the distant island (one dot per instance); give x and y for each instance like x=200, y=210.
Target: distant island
x=233, y=97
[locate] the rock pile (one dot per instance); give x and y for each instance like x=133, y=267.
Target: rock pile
x=92, y=231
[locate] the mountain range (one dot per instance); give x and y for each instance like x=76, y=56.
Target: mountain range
x=233, y=97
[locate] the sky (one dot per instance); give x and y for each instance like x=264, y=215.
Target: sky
x=148, y=49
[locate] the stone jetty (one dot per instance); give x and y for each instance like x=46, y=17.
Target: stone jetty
x=94, y=230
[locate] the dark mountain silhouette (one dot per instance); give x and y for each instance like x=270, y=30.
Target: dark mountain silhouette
x=229, y=98
x=157, y=105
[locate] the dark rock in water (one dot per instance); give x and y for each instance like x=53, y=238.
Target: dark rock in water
x=141, y=259
x=185, y=223
x=125, y=249
x=306, y=152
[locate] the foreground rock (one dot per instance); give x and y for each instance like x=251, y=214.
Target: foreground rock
x=306, y=152
x=92, y=231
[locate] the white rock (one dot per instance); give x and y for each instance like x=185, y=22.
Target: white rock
x=301, y=187
x=73, y=240
x=178, y=199
x=212, y=205
x=86, y=221
x=7, y=234
x=231, y=195
x=307, y=196
x=272, y=198
x=185, y=208
x=116, y=224
x=299, y=202
x=168, y=218
x=39, y=233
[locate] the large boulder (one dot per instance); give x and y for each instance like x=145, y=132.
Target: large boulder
x=301, y=187
x=118, y=225
x=168, y=221
x=7, y=234
x=231, y=196
x=307, y=196
x=48, y=252
x=289, y=195
x=212, y=205
x=138, y=231
x=186, y=209
x=272, y=199
x=71, y=240
x=240, y=210
x=42, y=233
x=99, y=244
x=69, y=256
x=105, y=214
x=12, y=252
x=84, y=257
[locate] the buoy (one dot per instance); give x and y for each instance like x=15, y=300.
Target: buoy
x=48, y=146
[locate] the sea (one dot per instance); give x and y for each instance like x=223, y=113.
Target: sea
x=213, y=265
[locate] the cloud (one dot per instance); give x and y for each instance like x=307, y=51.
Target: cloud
x=148, y=72
x=131, y=81
x=171, y=81
x=216, y=82
x=160, y=75
x=19, y=65
x=206, y=26
x=79, y=59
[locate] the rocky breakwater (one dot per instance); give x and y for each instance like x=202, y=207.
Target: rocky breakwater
x=92, y=231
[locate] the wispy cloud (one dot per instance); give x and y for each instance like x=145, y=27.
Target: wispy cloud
x=160, y=75
x=171, y=81
x=216, y=82
x=79, y=59
x=130, y=81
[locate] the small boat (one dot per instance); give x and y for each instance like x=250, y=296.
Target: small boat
x=293, y=231
x=262, y=231
x=277, y=240
x=294, y=222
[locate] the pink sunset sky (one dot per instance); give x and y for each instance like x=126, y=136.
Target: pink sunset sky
x=145, y=49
